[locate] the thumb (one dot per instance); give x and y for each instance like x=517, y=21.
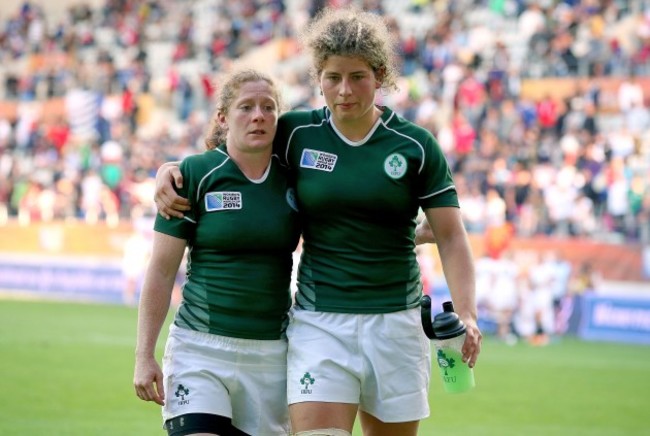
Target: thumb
x=178, y=180
x=160, y=391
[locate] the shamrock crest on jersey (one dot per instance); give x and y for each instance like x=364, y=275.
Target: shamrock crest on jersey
x=395, y=165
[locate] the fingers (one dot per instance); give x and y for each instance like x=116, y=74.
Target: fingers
x=180, y=203
x=161, y=207
x=170, y=204
x=160, y=390
x=151, y=391
x=168, y=211
x=424, y=233
x=177, y=176
x=150, y=395
x=472, y=346
x=173, y=212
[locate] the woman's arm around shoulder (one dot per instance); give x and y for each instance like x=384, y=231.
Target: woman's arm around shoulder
x=168, y=202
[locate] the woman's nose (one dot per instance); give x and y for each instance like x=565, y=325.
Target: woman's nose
x=344, y=88
x=258, y=112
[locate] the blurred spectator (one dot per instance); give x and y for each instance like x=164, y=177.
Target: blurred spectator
x=538, y=303
x=585, y=279
x=137, y=252
x=630, y=93
x=94, y=99
x=100, y=96
x=504, y=296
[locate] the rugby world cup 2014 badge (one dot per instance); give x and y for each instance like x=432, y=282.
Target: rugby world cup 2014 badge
x=395, y=165
x=215, y=201
x=318, y=160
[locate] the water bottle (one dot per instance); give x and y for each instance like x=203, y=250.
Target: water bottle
x=447, y=332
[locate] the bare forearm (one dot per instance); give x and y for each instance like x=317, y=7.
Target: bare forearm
x=157, y=290
x=458, y=267
x=456, y=258
x=152, y=311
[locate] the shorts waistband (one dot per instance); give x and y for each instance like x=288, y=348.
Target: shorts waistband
x=227, y=342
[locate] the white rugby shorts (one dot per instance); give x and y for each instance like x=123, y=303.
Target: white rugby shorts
x=382, y=362
x=243, y=379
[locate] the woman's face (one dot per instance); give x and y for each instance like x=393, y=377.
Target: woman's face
x=349, y=86
x=252, y=118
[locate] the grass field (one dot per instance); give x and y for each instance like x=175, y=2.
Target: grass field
x=66, y=369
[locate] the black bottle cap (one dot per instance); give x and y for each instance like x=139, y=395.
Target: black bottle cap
x=447, y=324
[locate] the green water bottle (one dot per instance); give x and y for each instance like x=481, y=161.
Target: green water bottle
x=448, y=334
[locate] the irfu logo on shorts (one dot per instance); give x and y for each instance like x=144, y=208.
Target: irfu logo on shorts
x=182, y=392
x=215, y=201
x=318, y=160
x=306, y=380
x=395, y=165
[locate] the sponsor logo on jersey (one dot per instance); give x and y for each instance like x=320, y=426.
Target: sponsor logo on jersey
x=395, y=165
x=318, y=160
x=215, y=201
x=291, y=199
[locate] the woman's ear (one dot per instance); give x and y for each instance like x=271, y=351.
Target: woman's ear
x=380, y=75
x=220, y=119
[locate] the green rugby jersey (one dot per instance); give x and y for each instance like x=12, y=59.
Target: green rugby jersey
x=241, y=235
x=359, y=201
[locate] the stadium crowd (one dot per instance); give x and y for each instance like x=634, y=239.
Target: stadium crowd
x=105, y=92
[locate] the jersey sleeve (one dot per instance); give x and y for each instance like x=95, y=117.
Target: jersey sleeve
x=288, y=124
x=282, y=138
x=436, y=184
x=183, y=228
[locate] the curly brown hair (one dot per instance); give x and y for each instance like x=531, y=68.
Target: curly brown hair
x=354, y=33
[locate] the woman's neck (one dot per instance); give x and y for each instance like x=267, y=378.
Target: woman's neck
x=252, y=164
x=357, y=129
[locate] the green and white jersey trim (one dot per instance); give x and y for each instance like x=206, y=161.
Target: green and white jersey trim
x=241, y=234
x=359, y=200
